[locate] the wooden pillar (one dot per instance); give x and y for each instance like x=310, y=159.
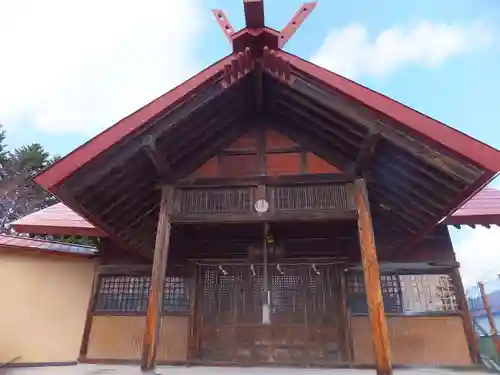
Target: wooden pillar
x=463, y=307
x=491, y=320
x=89, y=317
x=156, y=287
x=371, y=271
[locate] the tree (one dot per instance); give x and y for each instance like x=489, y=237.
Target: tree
x=19, y=194
x=3, y=148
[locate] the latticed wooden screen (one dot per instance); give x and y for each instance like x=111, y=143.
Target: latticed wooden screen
x=305, y=313
x=129, y=294
x=215, y=200
x=405, y=293
x=305, y=197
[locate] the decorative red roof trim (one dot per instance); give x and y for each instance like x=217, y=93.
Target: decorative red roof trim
x=11, y=243
x=59, y=220
x=470, y=148
x=86, y=152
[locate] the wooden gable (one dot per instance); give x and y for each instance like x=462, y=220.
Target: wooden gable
x=263, y=152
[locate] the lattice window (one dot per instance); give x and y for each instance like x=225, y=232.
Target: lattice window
x=405, y=293
x=122, y=294
x=176, y=295
x=129, y=294
x=427, y=293
x=215, y=200
x=319, y=197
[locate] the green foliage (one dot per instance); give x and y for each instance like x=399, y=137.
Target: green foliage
x=19, y=194
x=3, y=147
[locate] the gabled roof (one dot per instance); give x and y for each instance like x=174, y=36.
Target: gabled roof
x=11, y=243
x=56, y=220
x=482, y=209
x=419, y=170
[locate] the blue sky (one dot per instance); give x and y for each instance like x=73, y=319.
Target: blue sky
x=70, y=69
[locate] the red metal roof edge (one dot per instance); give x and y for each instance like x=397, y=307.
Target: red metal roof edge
x=482, y=209
x=8, y=242
x=470, y=148
x=56, y=230
x=84, y=153
x=57, y=219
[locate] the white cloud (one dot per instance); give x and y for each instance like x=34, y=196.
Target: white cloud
x=478, y=251
x=353, y=52
x=79, y=66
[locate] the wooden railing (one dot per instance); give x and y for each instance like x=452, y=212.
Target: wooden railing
x=298, y=198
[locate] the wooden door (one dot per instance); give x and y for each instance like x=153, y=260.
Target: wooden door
x=306, y=314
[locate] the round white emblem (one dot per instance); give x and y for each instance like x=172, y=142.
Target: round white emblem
x=261, y=206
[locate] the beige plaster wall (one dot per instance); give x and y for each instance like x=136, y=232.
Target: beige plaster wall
x=43, y=305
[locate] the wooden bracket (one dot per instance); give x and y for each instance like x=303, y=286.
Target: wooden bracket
x=366, y=153
x=241, y=64
x=291, y=28
x=224, y=24
x=161, y=165
x=276, y=65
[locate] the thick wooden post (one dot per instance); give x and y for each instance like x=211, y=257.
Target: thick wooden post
x=371, y=271
x=156, y=287
x=463, y=307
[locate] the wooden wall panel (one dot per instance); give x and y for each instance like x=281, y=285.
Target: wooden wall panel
x=277, y=140
x=174, y=337
x=283, y=164
x=208, y=170
x=246, y=142
x=317, y=165
x=283, y=157
x=120, y=338
x=237, y=165
x=116, y=337
x=415, y=341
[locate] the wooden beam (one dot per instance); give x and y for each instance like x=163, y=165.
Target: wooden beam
x=371, y=271
x=156, y=288
x=89, y=317
x=470, y=334
x=366, y=152
x=160, y=163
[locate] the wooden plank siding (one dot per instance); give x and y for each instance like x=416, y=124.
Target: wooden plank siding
x=119, y=338
x=281, y=156
x=425, y=340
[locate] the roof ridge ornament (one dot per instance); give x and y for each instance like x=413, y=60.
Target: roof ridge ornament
x=256, y=34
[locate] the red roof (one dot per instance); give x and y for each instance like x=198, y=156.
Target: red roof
x=56, y=220
x=482, y=209
x=468, y=147
x=31, y=244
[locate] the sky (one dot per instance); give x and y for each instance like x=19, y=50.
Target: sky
x=69, y=69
